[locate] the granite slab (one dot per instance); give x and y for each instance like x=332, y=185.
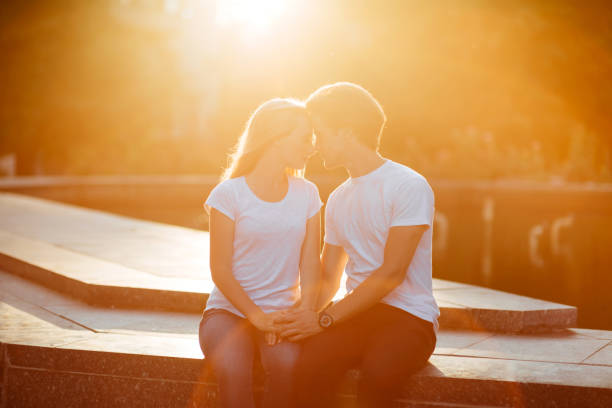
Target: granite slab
x=92, y=270
x=595, y=334
x=128, y=320
x=46, y=388
x=451, y=341
x=47, y=361
x=92, y=378
x=98, y=282
x=602, y=356
x=521, y=371
x=160, y=358
x=17, y=315
x=549, y=347
x=147, y=246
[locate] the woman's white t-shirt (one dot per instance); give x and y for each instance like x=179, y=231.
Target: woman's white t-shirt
x=268, y=238
x=358, y=217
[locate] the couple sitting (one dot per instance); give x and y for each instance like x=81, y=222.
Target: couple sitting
x=273, y=287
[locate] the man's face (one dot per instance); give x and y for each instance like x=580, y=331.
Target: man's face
x=329, y=144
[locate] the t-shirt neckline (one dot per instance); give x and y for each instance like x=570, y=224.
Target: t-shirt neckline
x=370, y=174
x=252, y=193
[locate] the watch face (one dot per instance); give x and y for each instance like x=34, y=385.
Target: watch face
x=325, y=320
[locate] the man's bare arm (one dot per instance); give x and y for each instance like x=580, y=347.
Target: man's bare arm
x=333, y=260
x=399, y=250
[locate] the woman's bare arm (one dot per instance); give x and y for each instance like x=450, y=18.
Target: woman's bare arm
x=299, y=324
x=221, y=253
x=310, y=263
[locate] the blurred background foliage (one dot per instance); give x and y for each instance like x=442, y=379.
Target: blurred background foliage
x=472, y=89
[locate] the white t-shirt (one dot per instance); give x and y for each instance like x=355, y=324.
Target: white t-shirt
x=268, y=239
x=358, y=217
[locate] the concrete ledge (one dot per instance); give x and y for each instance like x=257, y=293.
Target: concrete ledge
x=56, y=351
x=44, y=376
x=95, y=281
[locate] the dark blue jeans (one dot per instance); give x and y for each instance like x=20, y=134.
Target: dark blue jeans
x=232, y=344
x=386, y=343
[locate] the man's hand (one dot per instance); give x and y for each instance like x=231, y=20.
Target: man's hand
x=298, y=324
x=265, y=323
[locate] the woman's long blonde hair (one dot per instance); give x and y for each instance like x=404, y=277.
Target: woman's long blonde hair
x=272, y=120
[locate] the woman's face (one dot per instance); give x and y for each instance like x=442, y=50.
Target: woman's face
x=297, y=147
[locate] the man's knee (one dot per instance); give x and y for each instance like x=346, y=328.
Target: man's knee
x=283, y=362
x=375, y=377
x=384, y=377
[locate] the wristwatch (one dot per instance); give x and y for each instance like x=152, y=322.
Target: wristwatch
x=325, y=320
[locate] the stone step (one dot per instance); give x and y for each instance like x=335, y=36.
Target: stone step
x=65, y=376
x=57, y=351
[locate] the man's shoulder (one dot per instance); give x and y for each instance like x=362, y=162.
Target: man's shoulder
x=401, y=175
x=338, y=191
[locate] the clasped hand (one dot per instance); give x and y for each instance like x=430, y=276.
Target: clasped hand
x=294, y=324
x=298, y=323
x=265, y=322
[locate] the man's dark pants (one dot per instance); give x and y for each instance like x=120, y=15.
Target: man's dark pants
x=386, y=343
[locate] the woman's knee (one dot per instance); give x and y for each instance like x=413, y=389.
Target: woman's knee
x=281, y=358
x=221, y=330
x=227, y=344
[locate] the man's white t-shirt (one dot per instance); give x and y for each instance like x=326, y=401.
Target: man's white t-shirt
x=268, y=239
x=358, y=217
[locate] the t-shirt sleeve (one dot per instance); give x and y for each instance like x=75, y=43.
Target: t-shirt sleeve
x=222, y=198
x=331, y=231
x=314, y=200
x=413, y=204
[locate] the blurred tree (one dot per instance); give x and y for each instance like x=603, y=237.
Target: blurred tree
x=472, y=89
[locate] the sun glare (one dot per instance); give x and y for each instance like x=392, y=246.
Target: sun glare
x=251, y=15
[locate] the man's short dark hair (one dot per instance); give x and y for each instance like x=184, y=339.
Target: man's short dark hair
x=347, y=105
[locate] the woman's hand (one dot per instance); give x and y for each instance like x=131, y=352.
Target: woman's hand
x=265, y=322
x=271, y=338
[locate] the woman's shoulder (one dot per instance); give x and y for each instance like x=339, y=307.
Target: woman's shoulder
x=226, y=188
x=308, y=195
x=223, y=198
x=228, y=184
x=304, y=183
x=306, y=187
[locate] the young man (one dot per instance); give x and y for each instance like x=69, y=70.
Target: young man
x=379, y=220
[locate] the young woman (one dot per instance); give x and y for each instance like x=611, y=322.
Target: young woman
x=264, y=254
